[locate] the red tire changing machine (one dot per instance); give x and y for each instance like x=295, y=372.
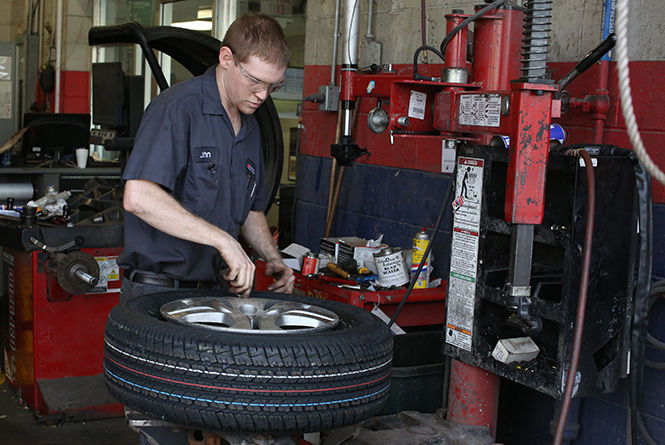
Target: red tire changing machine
x=61, y=283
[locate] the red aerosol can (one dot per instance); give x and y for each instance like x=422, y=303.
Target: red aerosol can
x=419, y=243
x=310, y=264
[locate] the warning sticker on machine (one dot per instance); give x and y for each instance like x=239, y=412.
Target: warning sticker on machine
x=480, y=110
x=469, y=188
x=108, y=272
x=417, y=102
x=464, y=253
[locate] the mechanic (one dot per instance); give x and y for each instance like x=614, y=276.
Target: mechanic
x=195, y=179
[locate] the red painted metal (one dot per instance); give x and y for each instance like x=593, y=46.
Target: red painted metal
x=424, y=152
x=473, y=397
x=455, y=55
x=601, y=115
x=424, y=307
x=56, y=335
x=531, y=107
x=375, y=86
x=447, y=115
x=346, y=92
x=500, y=37
x=400, y=100
x=75, y=92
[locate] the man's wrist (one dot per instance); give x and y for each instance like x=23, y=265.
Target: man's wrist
x=273, y=258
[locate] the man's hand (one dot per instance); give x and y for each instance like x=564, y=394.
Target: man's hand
x=283, y=275
x=240, y=272
x=150, y=202
x=255, y=230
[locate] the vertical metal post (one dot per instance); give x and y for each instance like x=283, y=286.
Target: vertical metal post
x=473, y=397
x=349, y=61
x=224, y=12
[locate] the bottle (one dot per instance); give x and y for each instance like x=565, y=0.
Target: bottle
x=419, y=243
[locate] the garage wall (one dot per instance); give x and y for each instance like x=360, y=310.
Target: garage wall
x=75, y=53
x=76, y=56
x=576, y=27
x=11, y=16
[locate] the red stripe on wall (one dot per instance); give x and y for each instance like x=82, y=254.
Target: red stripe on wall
x=75, y=91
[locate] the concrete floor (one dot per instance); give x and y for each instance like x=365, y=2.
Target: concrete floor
x=19, y=427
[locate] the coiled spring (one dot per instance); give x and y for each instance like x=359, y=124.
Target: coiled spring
x=535, y=44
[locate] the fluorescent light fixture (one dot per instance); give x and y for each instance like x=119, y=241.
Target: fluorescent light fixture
x=204, y=14
x=195, y=25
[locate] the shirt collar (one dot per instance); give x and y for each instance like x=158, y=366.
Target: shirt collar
x=212, y=103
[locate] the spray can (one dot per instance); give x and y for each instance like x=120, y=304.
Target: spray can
x=419, y=244
x=310, y=264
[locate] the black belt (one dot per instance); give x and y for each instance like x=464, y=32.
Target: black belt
x=156, y=280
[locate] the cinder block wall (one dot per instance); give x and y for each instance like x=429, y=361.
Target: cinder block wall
x=576, y=28
x=11, y=17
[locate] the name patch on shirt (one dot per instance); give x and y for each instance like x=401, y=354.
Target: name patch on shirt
x=204, y=154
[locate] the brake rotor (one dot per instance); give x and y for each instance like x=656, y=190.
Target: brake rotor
x=66, y=266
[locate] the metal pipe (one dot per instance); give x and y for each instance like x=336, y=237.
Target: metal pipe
x=333, y=174
x=40, y=31
x=473, y=396
x=347, y=124
x=582, y=298
x=350, y=38
x=599, y=118
x=349, y=60
x=370, y=20
x=83, y=275
x=608, y=28
x=58, y=56
x=337, y=174
x=333, y=64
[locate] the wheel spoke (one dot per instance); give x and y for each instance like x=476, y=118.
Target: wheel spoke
x=256, y=315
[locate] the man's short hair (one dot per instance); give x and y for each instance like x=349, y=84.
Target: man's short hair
x=257, y=34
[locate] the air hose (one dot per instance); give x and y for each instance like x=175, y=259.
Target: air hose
x=643, y=288
x=414, y=278
x=584, y=284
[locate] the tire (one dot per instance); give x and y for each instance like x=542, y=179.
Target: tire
x=272, y=144
x=300, y=381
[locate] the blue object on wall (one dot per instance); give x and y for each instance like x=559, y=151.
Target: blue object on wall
x=373, y=200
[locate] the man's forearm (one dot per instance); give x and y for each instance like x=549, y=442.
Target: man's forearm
x=149, y=202
x=256, y=232
x=157, y=208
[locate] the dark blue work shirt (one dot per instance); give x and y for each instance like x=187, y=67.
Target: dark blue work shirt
x=187, y=145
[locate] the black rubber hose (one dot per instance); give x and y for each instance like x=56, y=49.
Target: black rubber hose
x=417, y=76
x=581, y=304
x=440, y=53
x=466, y=22
x=643, y=278
x=47, y=79
x=641, y=299
x=643, y=430
x=414, y=278
x=657, y=292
